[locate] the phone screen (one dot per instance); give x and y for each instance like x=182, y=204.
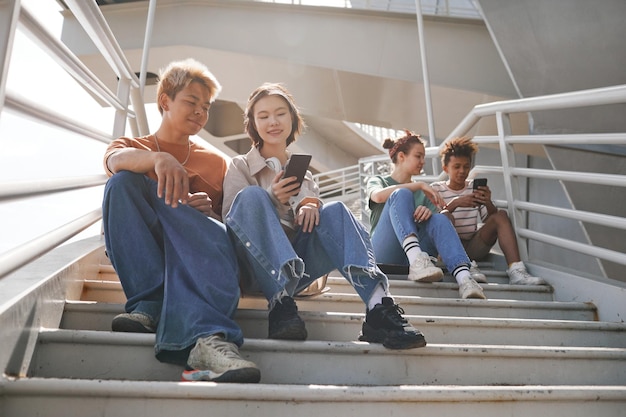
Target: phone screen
x=297, y=166
x=480, y=182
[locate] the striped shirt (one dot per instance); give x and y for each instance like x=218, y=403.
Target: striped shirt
x=465, y=218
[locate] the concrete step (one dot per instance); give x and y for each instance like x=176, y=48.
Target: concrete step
x=87, y=354
x=58, y=397
x=450, y=289
x=337, y=326
x=111, y=292
x=424, y=306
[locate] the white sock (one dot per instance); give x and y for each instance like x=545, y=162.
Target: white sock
x=377, y=297
x=461, y=274
x=412, y=248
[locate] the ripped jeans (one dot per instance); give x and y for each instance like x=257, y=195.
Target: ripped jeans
x=281, y=266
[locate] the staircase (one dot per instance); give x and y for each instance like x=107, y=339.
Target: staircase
x=519, y=353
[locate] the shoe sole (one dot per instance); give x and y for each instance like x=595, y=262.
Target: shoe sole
x=371, y=335
x=429, y=278
x=290, y=333
x=479, y=280
x=243, y=375
x=474, y=295
x=124, y=324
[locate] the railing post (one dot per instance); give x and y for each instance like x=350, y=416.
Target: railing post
x=9, y=15
x=119, y=125
x=511, y=186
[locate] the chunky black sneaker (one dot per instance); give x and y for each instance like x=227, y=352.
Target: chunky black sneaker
x=385, y=324
x=284, y=321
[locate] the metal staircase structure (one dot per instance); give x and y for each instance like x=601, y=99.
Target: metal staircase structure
x=525, y=351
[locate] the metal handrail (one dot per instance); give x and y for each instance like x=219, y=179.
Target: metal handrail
x=90, y=17
x=23, y=254
x=584, y=98
x=505, y=138
x=95, y=25
x=26, y=189
x=43, y=114
x=67, y=59
x=339, y=184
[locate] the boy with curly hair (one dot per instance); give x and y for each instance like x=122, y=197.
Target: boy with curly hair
x=464, y=205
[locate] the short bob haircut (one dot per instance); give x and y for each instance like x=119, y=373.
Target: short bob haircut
x=271, y=89
x=179, y=74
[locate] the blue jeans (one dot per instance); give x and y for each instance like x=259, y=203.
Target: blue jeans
x=282, y=265
x=176, y=265
x=436, y=235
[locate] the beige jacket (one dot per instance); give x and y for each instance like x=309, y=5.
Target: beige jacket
x=251, y=169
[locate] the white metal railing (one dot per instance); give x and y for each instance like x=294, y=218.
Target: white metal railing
x=516, y=178
x=340, y=184
x=90, y=17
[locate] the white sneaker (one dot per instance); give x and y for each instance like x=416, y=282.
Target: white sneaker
x=471, y=289
x=423, y=270
x=476, y=274
x=215, y=359
x=518, y=275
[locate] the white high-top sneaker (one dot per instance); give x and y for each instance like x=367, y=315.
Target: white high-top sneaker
x=518, y=275
x=423, y=270
x=476, y=274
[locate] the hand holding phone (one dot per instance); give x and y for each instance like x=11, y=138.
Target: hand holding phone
x=480, y=182
x=297, y=166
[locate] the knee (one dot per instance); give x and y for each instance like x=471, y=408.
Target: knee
x=250, y=194
x=334, y=208
x=440, y=220
x=401, y=193
x=501, y=216
x=124, y=180
x=250, y=200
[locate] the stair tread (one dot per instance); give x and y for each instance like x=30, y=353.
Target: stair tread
x=109, y=355
x=268, y=392
x=117, y=308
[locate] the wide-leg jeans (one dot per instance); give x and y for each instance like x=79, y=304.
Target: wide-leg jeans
x=280, y=265
x=176, y=265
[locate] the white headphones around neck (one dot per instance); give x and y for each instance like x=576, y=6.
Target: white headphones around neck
x=273, y=163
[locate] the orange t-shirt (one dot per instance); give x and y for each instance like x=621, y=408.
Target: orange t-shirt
x=206, y=168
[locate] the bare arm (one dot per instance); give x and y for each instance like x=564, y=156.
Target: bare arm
x=173, y=180
x=381, y=196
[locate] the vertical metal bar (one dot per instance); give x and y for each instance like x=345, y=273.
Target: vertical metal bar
x=146, y=45
x=511, y=187
x=9, y=15
x=123, y=94
x=429, y=110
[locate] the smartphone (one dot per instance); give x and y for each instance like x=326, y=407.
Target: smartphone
x=480, y=182
x=297, y=166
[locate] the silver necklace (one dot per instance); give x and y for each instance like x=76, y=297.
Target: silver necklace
x=156, y=140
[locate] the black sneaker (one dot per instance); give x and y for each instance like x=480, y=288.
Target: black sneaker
x=284, y=322
x=385, y=324
x=134, y=323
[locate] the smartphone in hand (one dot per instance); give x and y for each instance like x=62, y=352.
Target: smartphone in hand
x=297, y=166
x=480, y=182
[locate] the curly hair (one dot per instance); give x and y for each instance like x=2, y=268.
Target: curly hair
x=402, y=144
x=459, y=146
